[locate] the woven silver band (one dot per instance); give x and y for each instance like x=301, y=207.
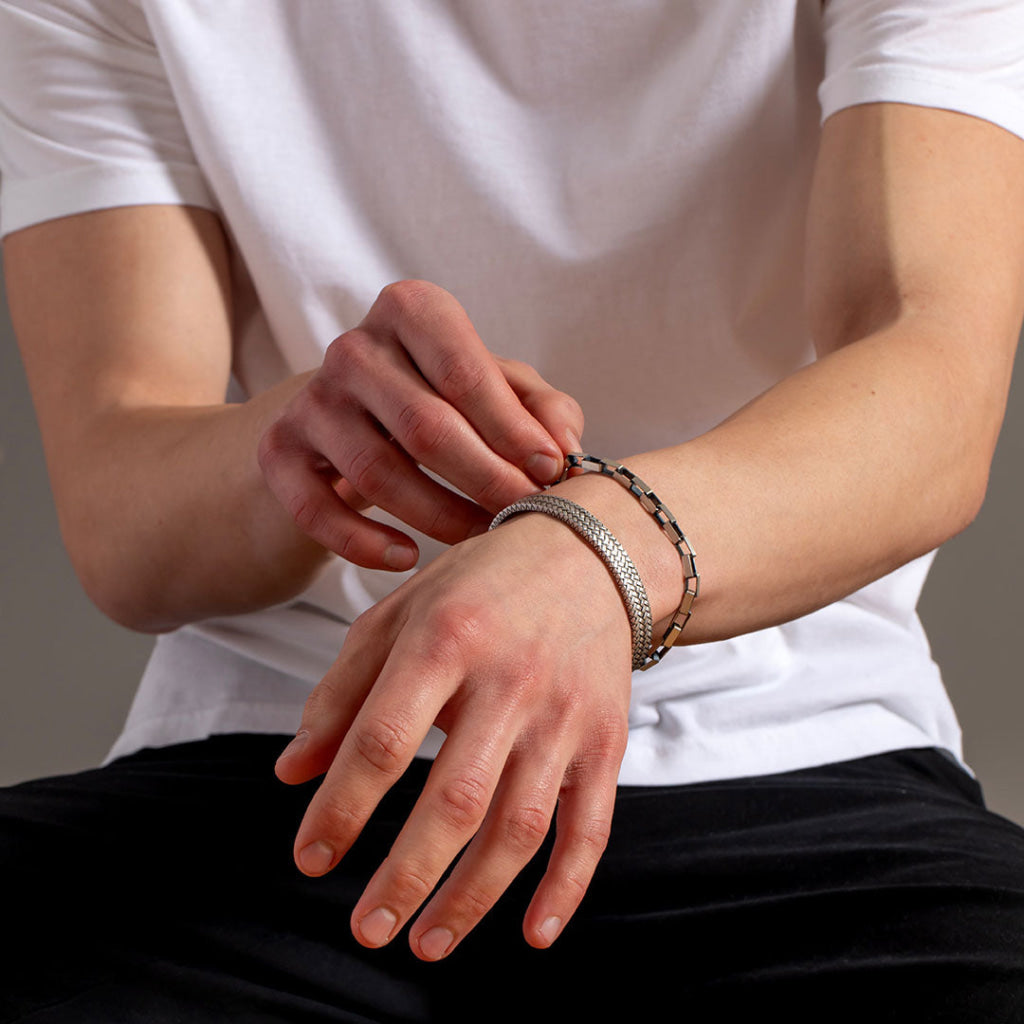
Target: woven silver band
x=653, y=505
x=611, y=552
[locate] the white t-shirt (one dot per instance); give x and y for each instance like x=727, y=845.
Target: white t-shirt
x=616, y=193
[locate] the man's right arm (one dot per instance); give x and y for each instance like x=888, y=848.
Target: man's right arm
x=123, y=317
x=124, y=321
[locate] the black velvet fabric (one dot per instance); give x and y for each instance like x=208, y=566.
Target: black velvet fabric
x=161, y=889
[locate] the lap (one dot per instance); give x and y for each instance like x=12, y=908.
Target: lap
x=161, y=888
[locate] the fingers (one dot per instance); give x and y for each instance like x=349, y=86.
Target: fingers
x=528, y=729
x=502, y=808
x=504, y=824
x=414, y=386
x=377, y=744
x=515, y=826
x=294, y=475
x=335, y=701
x=476, y=788
x=393, y=394
x=583, y=827
x=504, y=833
x=560, y=413
x=454, y=803
x=384, y=475
x=446, y=349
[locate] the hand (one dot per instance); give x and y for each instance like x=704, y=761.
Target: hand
x=413, y=385
x=527, y=670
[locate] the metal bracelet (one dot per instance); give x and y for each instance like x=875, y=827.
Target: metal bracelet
x=652, y=504
x=611, y=552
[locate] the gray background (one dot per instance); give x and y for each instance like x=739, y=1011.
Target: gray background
x=68, y=673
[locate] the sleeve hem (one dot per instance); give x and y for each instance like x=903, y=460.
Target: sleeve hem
x=24, y=202
x=1002, y=107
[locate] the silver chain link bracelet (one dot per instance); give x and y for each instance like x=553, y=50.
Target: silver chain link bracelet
x=653, y=505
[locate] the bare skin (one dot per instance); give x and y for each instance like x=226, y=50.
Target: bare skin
x=873, y=455
x=141, y=446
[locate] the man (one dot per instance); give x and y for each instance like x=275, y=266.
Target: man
x=621, y=203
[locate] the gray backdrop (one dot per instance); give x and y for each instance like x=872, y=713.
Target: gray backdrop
x=68, y=673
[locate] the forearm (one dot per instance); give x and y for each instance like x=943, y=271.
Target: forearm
x=837, y=475
x=176, y=507
x=168, y=519
x=236, y=507
x=125, y=322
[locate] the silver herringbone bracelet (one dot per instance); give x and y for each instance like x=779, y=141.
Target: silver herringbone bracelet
x=611, y=552
x=652, y=504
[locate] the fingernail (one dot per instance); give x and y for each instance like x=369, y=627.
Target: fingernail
x=550, y=929
x=316, y=859
x=400, y=556
x=575, y=444
x=378, y=926
x=296, y=744
x=435, y=943
x=543, y=468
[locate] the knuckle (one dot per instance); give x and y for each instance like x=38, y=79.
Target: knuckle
x=471, y=903
x=446, y=519
x=308, y=514
x=370, y=472
x=571, y=409
x=518, y=433
x=589, y=835
x=577, y=882
x=273, y=445
x=459, y=378
x=347, y=546
x=423, y=429
x=352, y=364
x=410, y=885
x=364, y=627
x=323, y=698
x=348, y=353
x=524, y=828
x=568, y=700
x=609, y=735
x=382, y=743
x=460, y=624
x=407, y=299
x=553, y=406
x=564, y=710
x=523, y=680
x=494, y=492
x=462, y=801
x=603, y=746
x=337, y=817
x=516, y=369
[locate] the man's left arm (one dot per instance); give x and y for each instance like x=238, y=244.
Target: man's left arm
x=880, y=450
x=873, y=455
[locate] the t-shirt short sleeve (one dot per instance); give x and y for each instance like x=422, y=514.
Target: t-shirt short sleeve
x=960, y=55
x=88, y=119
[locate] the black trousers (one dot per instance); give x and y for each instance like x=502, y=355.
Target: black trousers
x=161, y=889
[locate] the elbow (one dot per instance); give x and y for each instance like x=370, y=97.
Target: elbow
x=129, y=586
x=961, y=441
x=111, y=589
x=971, y=498
x=131, y=615
x=979, y=416
x=154, y=591
x=960, y=500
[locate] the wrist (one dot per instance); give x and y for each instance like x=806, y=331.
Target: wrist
x=552, y=549
x=604, y=543
x=655, y=557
